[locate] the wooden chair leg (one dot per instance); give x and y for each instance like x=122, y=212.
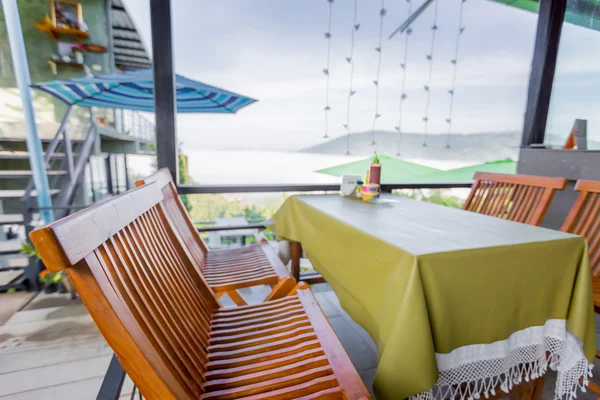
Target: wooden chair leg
x=299, y=286
x=594, y=388
x=296, y=254
x=236, y=297
x=281, y=289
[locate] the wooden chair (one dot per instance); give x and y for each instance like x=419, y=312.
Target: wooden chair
x=137, y=279
x=520, y=198
x=226, y=271
x=584, y=220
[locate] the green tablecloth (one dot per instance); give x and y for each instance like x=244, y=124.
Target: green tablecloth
x=450, y=296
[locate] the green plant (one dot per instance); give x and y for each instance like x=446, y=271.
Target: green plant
x=48, y=278
x=45, y=276
x=184, y=178
x=436, y=196
x=252, y=212
x=29, y=250
x=375, y=159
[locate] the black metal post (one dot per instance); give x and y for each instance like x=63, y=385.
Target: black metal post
x=547, y=39
x=91, y=169
x=164, y=86
x=127, y=185
x=115, y=168
x=32, y=271
x=113, y=381
x=109, y=181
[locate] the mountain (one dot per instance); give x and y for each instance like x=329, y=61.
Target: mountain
x=475, y=147
x=472, y=147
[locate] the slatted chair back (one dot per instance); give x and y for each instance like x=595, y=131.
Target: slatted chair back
x=520, y=198
x=227, y=270
x=140, y=287
x=584, y=219
x=178, y=214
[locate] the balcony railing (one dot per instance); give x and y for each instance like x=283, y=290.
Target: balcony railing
x=136, y=125
x=129, y=122
x=311, y=187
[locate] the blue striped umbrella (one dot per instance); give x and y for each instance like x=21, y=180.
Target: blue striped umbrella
x=134, y=90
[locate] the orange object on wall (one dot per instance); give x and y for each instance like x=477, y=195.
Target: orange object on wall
x=570, y=143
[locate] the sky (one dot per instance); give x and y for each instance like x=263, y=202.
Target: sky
x=275, y=51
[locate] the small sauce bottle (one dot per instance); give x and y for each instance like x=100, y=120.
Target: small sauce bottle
x=359, y=189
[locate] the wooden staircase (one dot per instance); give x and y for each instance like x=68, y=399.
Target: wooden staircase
x=18, y=202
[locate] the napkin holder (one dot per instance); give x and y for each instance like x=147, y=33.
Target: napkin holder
x=349, y=183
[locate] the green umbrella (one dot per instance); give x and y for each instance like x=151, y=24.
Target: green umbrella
x=465, y=174
x=392, y=169
x=580, y=13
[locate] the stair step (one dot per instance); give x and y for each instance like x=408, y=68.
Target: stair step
x=21, y=155
x=11, y=246
x=11, y=219
x=17, y=194
x=27, y=174
x=7, y=277
x=22, y=140
x=13, y=261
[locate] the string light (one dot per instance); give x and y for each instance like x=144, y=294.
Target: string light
x=379, y=50
x=429, y=57
x=403, y=95
x=326, y=69
x=454, y=62
x=350, y=60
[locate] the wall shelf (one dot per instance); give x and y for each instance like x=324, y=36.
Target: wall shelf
x=55, y=63
x=55, y=32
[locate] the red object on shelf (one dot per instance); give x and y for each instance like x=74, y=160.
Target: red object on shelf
x=94, y=48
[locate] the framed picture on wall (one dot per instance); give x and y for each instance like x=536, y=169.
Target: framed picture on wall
x=66, y=14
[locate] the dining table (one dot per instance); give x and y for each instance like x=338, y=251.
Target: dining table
x=459, y=304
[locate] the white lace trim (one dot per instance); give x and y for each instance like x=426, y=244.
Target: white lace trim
x=472, y=371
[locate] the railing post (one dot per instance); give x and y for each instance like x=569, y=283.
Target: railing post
x=164, y=86
x=86, y=149
x=69, y=155
x=109, y=180
x=54, y=143
x=127, y=186
x=32, y=270
x=91, y=168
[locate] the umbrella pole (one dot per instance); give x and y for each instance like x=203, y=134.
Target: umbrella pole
x=34, y=144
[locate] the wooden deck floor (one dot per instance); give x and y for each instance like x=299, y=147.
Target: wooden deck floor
x=58, y=353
